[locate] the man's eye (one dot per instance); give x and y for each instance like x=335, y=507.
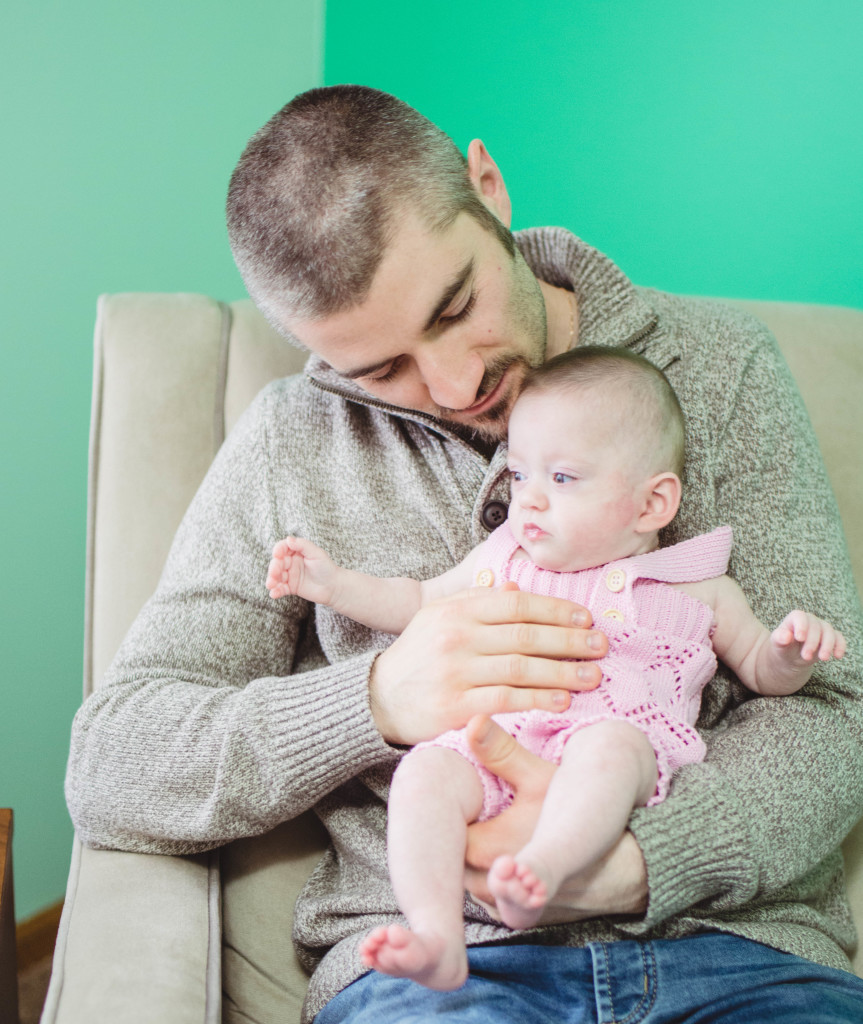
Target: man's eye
x=383, y=378
x=462, y=314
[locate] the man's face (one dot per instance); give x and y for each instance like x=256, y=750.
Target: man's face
x=450, y=326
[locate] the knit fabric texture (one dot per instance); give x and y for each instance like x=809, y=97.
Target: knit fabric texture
x=659, y=655
x=225, y=713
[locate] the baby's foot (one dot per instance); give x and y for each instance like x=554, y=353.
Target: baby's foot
x=427, y=959
x=519, y=892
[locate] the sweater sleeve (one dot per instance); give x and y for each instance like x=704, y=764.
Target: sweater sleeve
x=782, y=783
x=201, y=731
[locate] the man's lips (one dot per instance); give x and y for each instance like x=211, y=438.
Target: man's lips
x=487, y=401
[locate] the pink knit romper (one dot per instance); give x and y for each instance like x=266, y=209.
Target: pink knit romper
x=659, y=655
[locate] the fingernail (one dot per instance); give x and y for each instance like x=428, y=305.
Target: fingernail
x=561, y=700
x=481, y=730
x=581, y=618
x=594, y=641
x=586, y=674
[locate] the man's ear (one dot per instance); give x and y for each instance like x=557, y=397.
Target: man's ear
x=488, y=181
x=661, y=501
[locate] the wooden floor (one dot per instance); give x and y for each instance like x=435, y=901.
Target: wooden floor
x=32, y=986
x=35, y=938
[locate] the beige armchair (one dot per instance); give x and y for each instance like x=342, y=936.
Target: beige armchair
x=185, y=939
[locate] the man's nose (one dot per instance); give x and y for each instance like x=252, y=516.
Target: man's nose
x=452, y=377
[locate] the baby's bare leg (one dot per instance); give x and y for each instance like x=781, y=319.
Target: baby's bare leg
x=434, y=795
x=606, y=770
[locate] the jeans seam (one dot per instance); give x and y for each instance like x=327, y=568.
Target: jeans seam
x=608, y=986
x=639, y=1012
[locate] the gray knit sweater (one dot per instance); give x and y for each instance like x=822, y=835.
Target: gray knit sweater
x=226, y=713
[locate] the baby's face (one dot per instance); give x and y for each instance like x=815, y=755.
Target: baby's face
x=576, y=493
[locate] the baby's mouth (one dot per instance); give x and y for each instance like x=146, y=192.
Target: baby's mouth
x=533, y=532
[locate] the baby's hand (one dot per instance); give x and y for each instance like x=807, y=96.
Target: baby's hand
x=300, y=567
x=803, y=636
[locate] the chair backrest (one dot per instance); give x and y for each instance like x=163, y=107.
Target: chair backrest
x=823, y=345
x=172, y=373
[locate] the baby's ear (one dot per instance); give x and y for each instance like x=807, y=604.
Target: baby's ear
x=661, y=501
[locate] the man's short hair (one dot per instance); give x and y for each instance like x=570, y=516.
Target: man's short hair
x=640, y=393
x=314, y=200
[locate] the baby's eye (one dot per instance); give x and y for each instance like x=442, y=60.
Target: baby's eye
x=516, y=476
x=562, y=478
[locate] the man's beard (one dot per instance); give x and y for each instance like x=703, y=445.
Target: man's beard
x=491, y=425
x=527, y=314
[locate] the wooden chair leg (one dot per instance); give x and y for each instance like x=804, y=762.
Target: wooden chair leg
x=8, y=954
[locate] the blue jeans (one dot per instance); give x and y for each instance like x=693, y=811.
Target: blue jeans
x=704, y=979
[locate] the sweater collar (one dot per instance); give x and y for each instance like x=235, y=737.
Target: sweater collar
x=611, y=310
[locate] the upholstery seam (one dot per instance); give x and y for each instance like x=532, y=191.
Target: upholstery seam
x=213, y=981
x=93, y=492
x=222, y=376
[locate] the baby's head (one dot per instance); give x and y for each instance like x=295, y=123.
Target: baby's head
x=596, y=447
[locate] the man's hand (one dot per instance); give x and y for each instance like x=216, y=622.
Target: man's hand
x=615, y=884
x=482, y=652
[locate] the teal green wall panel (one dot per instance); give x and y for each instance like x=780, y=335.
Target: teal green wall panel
x=121, y=124
x=707, y=148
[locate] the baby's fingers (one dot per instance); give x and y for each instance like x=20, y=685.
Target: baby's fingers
x=809, y=635
x=276, y=571
x=832, y=644
x=820, y=640
x=290, y=546
x=277, y=578
x=815, y=637
x=783, y=635
x=792, y=629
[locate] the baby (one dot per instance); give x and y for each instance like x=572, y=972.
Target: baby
x=596, y=443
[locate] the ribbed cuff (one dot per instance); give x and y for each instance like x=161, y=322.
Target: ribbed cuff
x=321, y=729
x=695, y=847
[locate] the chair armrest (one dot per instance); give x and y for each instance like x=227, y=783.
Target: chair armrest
x=139, y=941
x=852, y=850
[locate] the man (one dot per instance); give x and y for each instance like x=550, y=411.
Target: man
x=362, y=234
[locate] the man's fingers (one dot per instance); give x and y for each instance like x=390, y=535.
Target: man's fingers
x=510, y=830
x=503, y=700
x=542, y=640
x=503, y=755
x=530, y=624
x=482, y=653
x=507, y=672
x=491, y=745
x=506, y=605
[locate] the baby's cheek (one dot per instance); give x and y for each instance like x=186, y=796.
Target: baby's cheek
x=620, y=511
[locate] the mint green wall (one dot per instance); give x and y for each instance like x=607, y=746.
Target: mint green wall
x=121, y=123
x=709, y=148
